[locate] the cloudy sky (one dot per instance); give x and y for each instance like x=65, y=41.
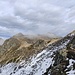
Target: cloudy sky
x=36, y=16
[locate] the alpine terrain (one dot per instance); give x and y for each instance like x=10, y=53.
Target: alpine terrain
x=20, y=55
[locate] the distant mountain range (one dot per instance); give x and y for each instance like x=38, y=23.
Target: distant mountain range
x=38, y=55
x=38, y=36
x=1, y=41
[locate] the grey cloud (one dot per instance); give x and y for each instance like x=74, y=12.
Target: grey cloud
x=36, y=16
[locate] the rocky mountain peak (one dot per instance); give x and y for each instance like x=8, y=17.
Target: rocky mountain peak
x=20, y=47
x=72, y=33
x=19, y=35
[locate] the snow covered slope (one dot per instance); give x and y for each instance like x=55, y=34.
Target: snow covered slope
x=38, y=64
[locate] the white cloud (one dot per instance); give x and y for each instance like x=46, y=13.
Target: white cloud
x=36, y=16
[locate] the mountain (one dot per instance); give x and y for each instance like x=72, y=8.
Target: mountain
x=1, y=41
x=21, y=47
x=57, y=58
x=46, y=36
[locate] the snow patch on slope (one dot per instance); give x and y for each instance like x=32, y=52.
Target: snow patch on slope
x=38, y=64
x=71, y=72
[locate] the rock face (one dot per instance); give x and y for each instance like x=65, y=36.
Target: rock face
x=56, y=58
x=64, y=60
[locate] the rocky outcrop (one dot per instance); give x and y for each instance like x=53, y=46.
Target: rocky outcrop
x=64, y=59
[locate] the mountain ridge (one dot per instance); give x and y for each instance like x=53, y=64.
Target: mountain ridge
x=19, y=47
x=57, y=58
